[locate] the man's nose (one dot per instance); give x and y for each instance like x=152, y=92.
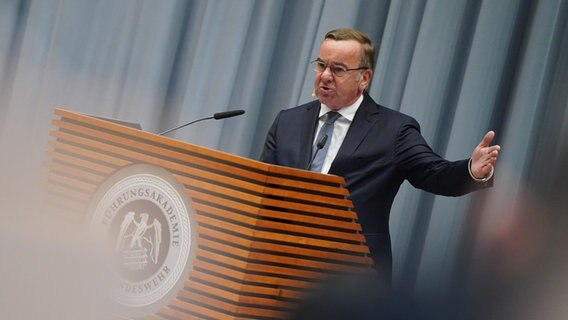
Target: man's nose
x=327, y=74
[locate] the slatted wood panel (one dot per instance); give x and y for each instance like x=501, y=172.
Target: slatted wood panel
x=266, y=234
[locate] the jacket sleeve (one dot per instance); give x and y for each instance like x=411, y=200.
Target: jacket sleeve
x=426, y=170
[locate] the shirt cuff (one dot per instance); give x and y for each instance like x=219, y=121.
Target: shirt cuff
x=487, y=178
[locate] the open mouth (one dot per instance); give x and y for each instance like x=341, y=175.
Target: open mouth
x=326, y=90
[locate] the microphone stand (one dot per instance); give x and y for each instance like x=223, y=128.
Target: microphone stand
x=216, y=116
x=183, y=125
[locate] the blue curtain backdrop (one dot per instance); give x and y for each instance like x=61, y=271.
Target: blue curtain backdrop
x=460, y=67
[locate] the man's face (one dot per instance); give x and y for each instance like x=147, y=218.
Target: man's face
x=338, y=92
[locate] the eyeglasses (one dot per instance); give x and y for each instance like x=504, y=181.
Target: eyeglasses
x=337, y=70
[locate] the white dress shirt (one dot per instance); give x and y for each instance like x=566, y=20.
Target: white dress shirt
x=340, y=129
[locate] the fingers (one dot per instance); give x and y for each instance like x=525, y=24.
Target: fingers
x=486, y=150
x=486, y=141
x=492, y=151
x=484, y=156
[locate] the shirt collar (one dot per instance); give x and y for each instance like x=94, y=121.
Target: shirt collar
x=347, y=112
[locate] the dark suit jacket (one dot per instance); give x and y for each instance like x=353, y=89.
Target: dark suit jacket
x=382, y=148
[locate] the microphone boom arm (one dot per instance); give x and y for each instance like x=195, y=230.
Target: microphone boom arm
x=183, y=125
x=216, y=116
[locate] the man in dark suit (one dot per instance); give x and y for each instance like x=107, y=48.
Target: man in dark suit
x=374, y=148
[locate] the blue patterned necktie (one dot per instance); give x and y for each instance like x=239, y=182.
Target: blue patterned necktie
x=326, y=129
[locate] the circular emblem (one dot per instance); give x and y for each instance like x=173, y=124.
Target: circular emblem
x=143, y=218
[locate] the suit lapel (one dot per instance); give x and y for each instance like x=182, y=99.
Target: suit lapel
x=365, y=118
x=309, y=125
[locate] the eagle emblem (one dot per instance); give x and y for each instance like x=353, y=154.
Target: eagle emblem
x=138, y=240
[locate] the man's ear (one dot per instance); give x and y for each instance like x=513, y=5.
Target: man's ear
x=366, y=77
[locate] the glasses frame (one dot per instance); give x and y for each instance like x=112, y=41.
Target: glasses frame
x=333, y=68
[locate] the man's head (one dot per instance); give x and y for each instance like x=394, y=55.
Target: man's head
x=344, y=67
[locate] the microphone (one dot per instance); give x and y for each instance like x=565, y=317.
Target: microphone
x=228, y=114
x=319, y=146
x=216, y=116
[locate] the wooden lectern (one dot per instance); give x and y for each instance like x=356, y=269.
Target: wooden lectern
x=264, y=235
